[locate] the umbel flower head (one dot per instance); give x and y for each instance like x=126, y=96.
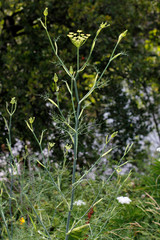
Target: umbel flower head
x=78, y=38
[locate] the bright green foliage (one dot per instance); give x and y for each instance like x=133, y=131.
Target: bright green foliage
x=139, y=218
x=79, y=232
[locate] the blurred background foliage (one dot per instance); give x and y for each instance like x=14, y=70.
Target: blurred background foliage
x=130, y=102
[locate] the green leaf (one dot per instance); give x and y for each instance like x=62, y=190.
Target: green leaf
x=79, y=232
x=104, y=154
x=53, y=102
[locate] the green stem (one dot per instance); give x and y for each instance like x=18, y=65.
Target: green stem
x=59, y=107
x=5, y=223
x=11, y=167
x=75, y=148
x=74, y=111
x=77, y=60
x=53, y=48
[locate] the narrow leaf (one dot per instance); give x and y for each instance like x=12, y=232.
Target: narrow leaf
x=6, y=124
x=53, y=102
x=104, y=154
x=29, y=126
x=117, y=55
x=69, y=90
x=41, y=138
x=41, y=164
x=79, y=232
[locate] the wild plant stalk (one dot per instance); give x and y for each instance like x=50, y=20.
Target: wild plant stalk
x=96, y=201
x=78, y=39
x=13, y=103
x=5, y=222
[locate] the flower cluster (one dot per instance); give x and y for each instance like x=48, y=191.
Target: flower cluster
x=124, y=200
x=103, y=25
x=79, y=38
x=79, y=203
x=22, y=220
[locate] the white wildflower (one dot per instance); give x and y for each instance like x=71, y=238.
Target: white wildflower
x=158, y=149
x=79, y=203
x=124, y=200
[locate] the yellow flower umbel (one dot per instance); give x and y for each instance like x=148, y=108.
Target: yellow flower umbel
x=79, y=38
x=22, y=220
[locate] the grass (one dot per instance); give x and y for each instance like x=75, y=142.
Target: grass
x=39, y=203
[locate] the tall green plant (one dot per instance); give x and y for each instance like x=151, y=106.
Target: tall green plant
x=13, y=103
x=78, y=105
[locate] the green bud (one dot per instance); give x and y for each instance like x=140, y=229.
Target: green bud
x=45, y=12
x=122, y=35
x=50, y=145
x=57, y=89
x=31, y=120
x=118, y=170
x=13, y=100
x=68, y=147
x=103, y=25
x=71, y=70
x=114, y=134
x=55, y=78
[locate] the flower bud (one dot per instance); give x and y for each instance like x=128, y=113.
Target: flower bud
x=13, y=100
x=122, y=35
x=55, y=78
x=31, y=120
x=71, y=70
x=45, y=12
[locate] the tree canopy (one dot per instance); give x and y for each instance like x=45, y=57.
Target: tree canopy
x=130, y=102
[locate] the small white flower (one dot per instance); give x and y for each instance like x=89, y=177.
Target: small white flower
x=124, y=200
x=158, y=149
x=79, y=203
x=56, y=165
